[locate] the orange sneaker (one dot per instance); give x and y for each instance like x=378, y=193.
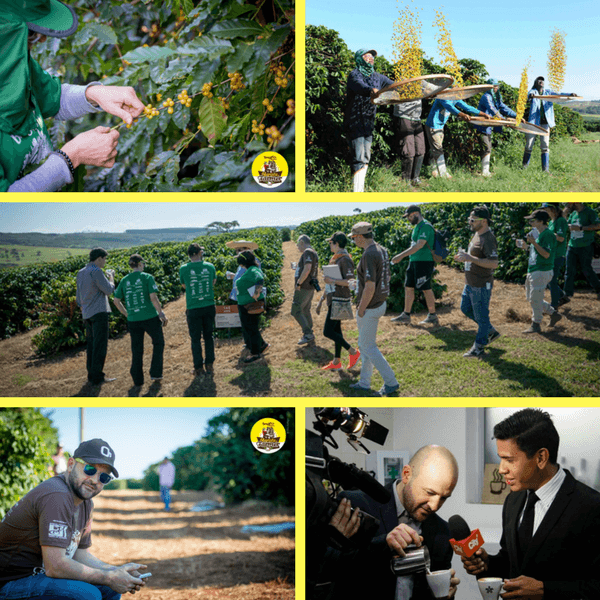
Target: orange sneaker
x=332, y=366
x=354, y=359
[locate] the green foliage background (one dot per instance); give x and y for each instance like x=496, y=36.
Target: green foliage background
x=393, y=232
x=164, y=48
x=27, y=441
x=224, y=460
x=45, y=294
x=329, y=62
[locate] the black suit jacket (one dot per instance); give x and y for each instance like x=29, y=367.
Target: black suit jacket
x=564, y=553
x=373, y=576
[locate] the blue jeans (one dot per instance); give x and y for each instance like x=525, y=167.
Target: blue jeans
x=361, y=152
x=475, y=304
x=555, y=292
x=165, y=495
x=42, y=587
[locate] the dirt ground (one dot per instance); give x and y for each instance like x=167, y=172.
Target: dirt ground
x=195, y=554
x=65, y=375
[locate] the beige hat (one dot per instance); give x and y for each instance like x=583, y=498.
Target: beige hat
x=234, y=245
x=361, y=228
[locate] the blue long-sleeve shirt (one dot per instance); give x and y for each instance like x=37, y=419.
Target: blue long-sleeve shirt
x=360, y=111
x=489, y=107
x=442, y=110
x=541, y=107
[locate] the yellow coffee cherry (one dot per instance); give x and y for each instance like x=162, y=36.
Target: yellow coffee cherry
x=291, y=107
x=266, y=102
x=199, y=126
x=270, y=108
x=170, y=110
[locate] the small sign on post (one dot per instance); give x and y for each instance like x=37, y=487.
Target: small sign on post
x=227, y=316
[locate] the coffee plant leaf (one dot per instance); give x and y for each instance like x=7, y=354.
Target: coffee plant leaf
x=236, y=28
x=150, y=54
x=213, y=119
x=158, y=161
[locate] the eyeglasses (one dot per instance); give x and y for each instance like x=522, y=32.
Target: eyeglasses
x=472, y=220
x=91, y=471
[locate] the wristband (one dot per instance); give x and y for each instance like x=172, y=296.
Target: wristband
x=68, y=161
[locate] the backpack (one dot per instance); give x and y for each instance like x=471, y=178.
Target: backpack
x=439, y=251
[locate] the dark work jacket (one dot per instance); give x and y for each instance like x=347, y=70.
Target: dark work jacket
x=564, y=553
x=372, y=568
x=359, y=119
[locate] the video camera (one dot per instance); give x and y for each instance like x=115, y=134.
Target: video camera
x=321, y=504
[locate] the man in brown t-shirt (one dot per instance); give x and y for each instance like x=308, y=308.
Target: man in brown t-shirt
x=373, y=289
x=45, y=536
x=306, y=270
x=480, y=261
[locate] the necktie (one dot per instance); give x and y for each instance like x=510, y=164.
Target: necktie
x=525, y=532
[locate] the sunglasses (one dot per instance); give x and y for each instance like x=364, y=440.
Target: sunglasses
x=91, y=471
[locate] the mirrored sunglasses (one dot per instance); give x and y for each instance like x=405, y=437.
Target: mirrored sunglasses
x=91, y=471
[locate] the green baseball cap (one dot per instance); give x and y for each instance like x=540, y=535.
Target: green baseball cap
x=46, y=17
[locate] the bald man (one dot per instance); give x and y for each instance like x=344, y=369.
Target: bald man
x=409, y=518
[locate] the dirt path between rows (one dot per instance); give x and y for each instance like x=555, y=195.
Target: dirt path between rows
x=65, y=375
x=195, y=554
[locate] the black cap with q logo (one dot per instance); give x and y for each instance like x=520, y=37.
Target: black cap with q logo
x=97, y=452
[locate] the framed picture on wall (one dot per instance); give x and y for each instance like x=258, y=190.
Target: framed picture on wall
x=387, y=465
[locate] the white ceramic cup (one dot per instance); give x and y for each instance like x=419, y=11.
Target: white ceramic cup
x=439, y=583
x=294, y=265
x=490, y=587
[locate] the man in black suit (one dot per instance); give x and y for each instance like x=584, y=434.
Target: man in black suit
x=550, y=546
x=409, y=517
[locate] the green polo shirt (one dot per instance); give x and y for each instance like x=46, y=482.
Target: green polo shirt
x=423, y=231
x=581, y=239
x=560, y=227
x=198, y=279
x=134, y=291
x=537, y=262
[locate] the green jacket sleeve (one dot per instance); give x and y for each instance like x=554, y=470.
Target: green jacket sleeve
x=46, y=89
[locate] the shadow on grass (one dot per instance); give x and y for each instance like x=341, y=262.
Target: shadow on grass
x=255, y=378
x=88, y=390
x=202, y=386
x=524, y=376
x=315, y=354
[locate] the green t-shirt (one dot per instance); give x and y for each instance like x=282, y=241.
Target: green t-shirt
x=250, y=278
x=134, y=291
x=581, y=239
x=537, y=262
x=198, y=279
x=560, y=227
x=423, y=231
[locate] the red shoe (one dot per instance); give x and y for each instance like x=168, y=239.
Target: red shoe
x=332, y=366
x=354, y=359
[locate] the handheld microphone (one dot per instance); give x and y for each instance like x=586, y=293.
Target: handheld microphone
x=464, y=542
x=351, y=476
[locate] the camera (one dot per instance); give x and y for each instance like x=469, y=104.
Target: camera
x=315, y=283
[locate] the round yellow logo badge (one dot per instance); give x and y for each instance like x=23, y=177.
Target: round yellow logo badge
x=269, y=169
x=268, y=435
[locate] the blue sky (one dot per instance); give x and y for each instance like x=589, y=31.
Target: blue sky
x=69, y=217
x=501, y=35
x=139, y=436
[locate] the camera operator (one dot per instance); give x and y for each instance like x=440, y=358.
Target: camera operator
x=305, y=283
x=409, y=518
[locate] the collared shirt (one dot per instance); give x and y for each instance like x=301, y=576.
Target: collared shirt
x=166, y=474
x=546, y=494
x=404, y=583
x=93, y=290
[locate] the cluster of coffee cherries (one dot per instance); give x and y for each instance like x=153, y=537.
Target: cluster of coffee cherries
x=273, y=135
x=151, y=111
x=168, y=104
x=267, y=103
x=258, y=129
x=236, y=81
x=224, y=103
x=280, y=77
x=291, y=107
x=184, y=99
x=206, y=89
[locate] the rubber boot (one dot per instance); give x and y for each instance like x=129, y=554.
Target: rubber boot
x=359, y=180
x=526, y=158
x=362, y=178
x=485, y=166
x=407, y=167
x=416, y=171
x=356, y=181
x=545, y=162
x=441, y=166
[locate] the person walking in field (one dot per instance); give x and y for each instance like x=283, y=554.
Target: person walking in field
x=166, y=480
x=198, y=279
x=45, y=537
x=136, y=297
x=93, y=290
x=304, y=290
x=541, y=245
x=420, y=267
x=560, y=228
x=373, y=289
x=359, y=118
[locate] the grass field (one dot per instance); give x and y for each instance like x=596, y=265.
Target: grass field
x=32, y=255
x=574, y=168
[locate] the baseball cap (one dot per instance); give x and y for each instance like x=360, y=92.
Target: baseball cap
x=411, y=209
x=483, y=212
x=540, y=215
x=361, y=228
x=97, y=452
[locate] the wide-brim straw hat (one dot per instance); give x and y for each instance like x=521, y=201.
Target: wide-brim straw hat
x=46, y=17
x=235, y=244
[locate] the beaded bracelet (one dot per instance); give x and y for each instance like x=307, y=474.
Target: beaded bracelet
x=68, y=161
